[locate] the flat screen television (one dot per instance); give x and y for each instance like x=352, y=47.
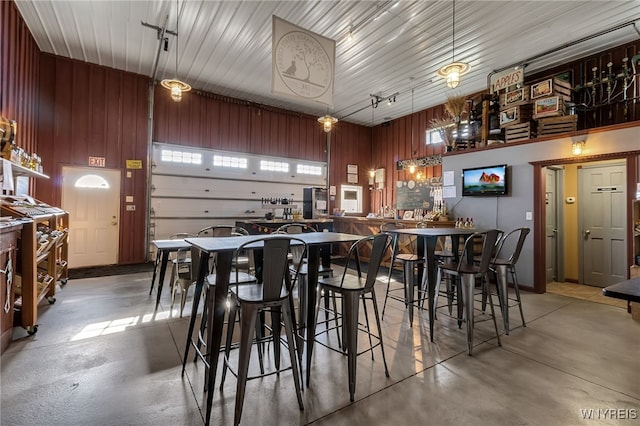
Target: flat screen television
x=485, y=181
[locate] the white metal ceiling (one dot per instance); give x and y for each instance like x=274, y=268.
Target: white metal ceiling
x=397, y=46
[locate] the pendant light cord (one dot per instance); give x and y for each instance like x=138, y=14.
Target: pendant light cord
x=453, y=42
x=177, y=35
x=412, y=125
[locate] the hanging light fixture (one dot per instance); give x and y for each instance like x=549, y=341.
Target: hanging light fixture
x=453, y=71
x=173, y=84
x=327, y=122
x=412, y=166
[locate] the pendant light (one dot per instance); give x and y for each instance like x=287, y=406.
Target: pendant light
x=173, y=84
x=453, y=71
x=327, y=122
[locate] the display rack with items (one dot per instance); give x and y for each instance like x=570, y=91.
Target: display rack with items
x=42, y=251
x=285, y=204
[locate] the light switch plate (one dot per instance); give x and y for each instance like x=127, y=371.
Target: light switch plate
x=528, y=216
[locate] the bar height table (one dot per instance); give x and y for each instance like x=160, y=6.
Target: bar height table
x=225, y=247
x=430, y=236
x=164, y=248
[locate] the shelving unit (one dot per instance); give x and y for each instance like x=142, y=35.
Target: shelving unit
x=286, y=208
x=40, y=264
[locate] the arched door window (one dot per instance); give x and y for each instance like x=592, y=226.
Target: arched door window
x=92, y=181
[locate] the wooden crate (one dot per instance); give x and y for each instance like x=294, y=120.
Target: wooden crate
x=562, y=88
x=515, y=97
x=555, y=125
x=515, y=115
x=552, y=86
x=551, y=106
x=518, y=132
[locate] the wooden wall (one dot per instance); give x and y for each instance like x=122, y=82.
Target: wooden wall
x=88, y=110
x=18, y=75
x=392, y=142
x=212, y=121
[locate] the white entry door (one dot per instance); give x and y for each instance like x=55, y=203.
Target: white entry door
x=92, y=198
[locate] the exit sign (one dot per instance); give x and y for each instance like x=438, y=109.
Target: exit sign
x=97, y=161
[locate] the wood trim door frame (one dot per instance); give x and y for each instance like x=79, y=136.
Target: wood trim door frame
x=539, y=221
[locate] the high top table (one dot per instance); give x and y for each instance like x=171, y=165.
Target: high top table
x=224, y=249
x=430, y=236
x=165, y=248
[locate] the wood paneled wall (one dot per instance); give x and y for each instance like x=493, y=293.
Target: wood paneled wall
x=392, y=141
x=89, y=110
x=18, y=75
x=212, y=121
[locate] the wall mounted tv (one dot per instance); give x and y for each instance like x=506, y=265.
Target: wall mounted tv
x=485, y=181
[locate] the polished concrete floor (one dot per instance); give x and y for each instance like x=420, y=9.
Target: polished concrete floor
x=102, y=356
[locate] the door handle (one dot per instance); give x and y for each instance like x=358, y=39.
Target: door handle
x=587, y=233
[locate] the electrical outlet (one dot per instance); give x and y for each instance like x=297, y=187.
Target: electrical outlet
x=528, y=216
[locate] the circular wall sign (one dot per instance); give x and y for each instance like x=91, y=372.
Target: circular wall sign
x=303, y=65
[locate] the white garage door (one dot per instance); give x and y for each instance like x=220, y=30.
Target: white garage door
x=192, y=188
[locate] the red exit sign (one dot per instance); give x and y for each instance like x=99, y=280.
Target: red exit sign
x=97, y=161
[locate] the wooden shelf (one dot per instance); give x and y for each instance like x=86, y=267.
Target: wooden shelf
x=19, y=170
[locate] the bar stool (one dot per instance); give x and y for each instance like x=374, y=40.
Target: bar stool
x=505, y=267
x=273, y=294
x=352, y=288
x=468, y=270
x=410, y=263
x=302, y=273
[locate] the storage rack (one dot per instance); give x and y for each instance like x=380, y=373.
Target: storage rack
x=42, y=264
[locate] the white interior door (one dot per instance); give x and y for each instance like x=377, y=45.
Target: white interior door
x=603, y=218
x=92, y=198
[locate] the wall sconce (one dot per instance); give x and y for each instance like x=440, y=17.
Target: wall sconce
x=372, y=176
x=577, y=147
x=327, y=122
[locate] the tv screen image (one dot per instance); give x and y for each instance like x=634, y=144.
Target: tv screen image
x=489, y=180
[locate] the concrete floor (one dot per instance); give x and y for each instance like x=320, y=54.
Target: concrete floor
x=103, y=357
